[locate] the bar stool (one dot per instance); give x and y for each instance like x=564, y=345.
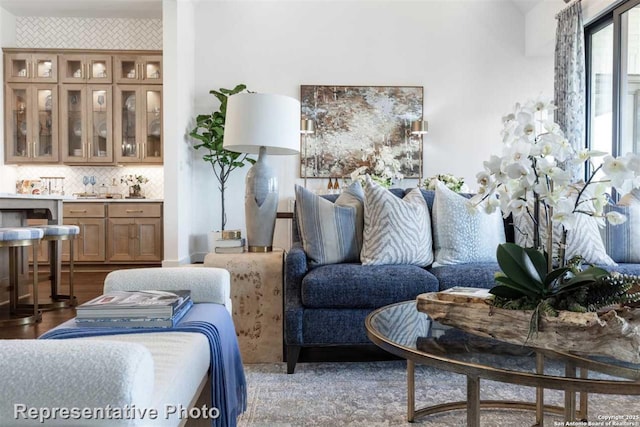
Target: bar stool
x=55, y=234
x=15, y=238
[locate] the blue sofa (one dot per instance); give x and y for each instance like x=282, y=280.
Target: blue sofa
x=327, y=305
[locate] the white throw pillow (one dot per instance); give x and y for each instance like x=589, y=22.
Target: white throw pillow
x=396, y=231
x=584, y=239
x=462, y=235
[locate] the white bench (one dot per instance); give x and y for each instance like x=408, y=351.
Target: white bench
x=136, y=372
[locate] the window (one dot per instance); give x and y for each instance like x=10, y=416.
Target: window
x=613, y=84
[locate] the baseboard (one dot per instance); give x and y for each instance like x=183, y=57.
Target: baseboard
x=179, y=262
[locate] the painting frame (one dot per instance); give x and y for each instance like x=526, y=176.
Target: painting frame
x=351, y=122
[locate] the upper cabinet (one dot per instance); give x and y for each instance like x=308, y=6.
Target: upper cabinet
x=138, y=124
x=72, y=106
x=85, y=69
x=31, y=117
x=146, y=69
x=31, y=68
x=86, y=124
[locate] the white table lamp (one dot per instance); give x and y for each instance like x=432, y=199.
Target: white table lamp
x=262, y=124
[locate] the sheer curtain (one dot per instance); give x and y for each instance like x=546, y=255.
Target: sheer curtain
x=570, y=75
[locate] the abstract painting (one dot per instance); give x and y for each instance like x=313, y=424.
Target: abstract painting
x=352, y=123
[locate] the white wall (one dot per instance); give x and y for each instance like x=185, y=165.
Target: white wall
x=179, y=94
x=469, y=56
x=7, y=38
x=540, y=28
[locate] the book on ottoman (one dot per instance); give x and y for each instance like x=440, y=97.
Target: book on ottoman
x=134, y=304
x=136, y=322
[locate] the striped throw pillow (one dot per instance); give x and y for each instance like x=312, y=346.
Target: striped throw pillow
x=396, y=231
x=621, y=241
x=331, y=233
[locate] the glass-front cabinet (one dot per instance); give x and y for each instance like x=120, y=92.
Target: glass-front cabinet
x=31, y=118
x=138, y=124
x=85, y=69
x=86, y=123
x=31, y=68
x=138, y=69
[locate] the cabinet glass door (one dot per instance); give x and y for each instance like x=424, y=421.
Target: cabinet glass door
x=127, y=69
x=45, y=143
x=127, y=110
x=152, y=67
x=152, y=148
x=18, y=121
x=17, y=67
x=73, y=123
x=44, y=68
x=98, y=69
x=99, y=126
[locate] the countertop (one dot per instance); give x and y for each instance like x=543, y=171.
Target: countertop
x=92, y=200
x=72, y=199
x=35, y=196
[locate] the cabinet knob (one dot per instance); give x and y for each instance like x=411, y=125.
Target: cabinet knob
x=78, y=211
x=134, y=211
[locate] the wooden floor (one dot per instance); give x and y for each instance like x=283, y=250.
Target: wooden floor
x=87, y=285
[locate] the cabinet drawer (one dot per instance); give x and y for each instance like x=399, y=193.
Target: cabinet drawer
x=83, y=210
x=132, y=210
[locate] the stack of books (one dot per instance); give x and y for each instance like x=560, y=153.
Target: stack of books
x=229, y=242
x=135, y=309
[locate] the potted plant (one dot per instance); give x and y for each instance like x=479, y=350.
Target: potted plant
x=209, y=136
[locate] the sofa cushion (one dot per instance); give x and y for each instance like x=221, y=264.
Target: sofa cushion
x=396, y=231
x=462, y=235
x=624, y=268
x=584, y=239
x=359, y=286
x=472, y=275
x=331, y=232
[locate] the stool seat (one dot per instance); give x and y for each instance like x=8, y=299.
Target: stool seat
x=12, y=234
x=59, y=230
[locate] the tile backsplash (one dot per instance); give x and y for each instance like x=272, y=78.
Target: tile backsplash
x=88, y=33
x=154, y=189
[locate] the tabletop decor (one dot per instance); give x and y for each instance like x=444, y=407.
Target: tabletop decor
x=545, y=300
x=134, y=182
x=452, y=182
x=351, y=122
x=380, y=165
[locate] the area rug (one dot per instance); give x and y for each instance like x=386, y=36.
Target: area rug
x=374, y=394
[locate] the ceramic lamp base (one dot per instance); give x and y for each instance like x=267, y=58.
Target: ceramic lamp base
x=261, y=204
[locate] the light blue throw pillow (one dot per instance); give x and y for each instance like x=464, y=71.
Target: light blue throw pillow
x=621, y=241
x=331, y=233
x=396, y=231
x=462, y=235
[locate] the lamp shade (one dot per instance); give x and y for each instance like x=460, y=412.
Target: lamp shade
x=257, y=120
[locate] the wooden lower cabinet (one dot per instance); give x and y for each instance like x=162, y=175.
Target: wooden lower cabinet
x=90, y=244
x=115, y=232
x=134, y=232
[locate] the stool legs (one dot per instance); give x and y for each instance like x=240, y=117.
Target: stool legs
x=59, y=300
x=22, y=316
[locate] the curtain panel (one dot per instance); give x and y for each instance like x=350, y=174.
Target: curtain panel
x=570, y=86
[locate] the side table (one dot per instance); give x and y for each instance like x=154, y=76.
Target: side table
x=256, y=294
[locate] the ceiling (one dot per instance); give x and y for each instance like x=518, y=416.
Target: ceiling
x=130, y=8
x=85, y=8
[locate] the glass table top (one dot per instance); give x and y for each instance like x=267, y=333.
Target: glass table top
x=402, y=330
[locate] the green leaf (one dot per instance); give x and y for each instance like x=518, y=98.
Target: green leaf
x=523, y=289
x=554, y=275
x=538, y=260
x=511, y=259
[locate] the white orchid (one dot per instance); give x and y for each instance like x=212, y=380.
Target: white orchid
x=536, y=164
x=381, y=166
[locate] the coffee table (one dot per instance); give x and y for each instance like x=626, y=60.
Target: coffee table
x=402, y=330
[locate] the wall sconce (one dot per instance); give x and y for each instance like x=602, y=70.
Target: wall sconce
x=420, y=128
x=307, y=127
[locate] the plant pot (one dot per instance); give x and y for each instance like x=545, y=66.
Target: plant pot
x=135, y=192
x=615, y=333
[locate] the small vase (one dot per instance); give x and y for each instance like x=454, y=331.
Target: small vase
x=135, y=192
